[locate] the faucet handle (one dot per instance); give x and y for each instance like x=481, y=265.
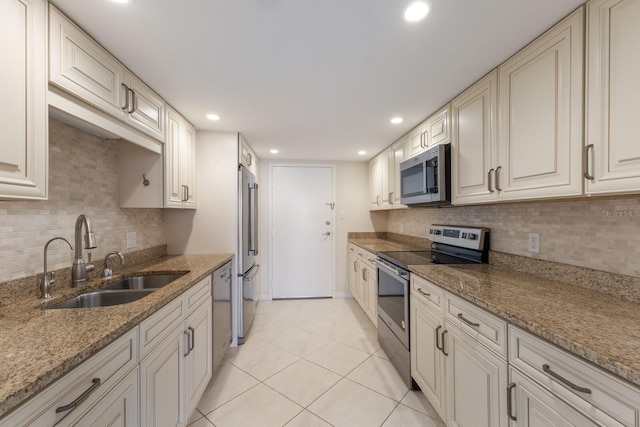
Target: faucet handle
x=89, y=266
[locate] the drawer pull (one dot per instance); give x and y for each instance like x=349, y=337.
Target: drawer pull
x=467, y=321
x=571, y=385
x=423, y=292
x=95, y=384
x=510, y=388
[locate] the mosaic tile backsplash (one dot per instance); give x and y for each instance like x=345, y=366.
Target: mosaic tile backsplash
x=599, y=233
x=83, y=178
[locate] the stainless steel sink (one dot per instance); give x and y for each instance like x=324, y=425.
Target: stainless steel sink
x=103, y=298
x=151, y=282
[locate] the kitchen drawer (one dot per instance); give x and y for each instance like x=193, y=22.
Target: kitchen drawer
x=160, y=324
x=488, y=329
x=610, y=398
x=109, y=366
x=367, y=257
x=427, y=292
x=198, y=293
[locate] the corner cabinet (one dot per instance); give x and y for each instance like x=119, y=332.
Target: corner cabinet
x=612, y=151
x=24, y=113
x=179, y=162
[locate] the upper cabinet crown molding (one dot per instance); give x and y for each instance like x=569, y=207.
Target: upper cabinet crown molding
x=612, y=151
x=24, y=117
x=82, y=68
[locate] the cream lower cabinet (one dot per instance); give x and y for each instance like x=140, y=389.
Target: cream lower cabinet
x=24, y=114
x=180, y=162
x=199, y=359
x=612, y=109
x=363, y=281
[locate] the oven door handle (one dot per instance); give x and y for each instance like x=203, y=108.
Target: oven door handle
x=391, y=270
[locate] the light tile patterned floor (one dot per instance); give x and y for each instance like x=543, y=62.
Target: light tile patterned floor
x=311, y=363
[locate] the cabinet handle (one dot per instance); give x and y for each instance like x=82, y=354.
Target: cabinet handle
x=510, y=388
x=438, y=337
x=585, y=161
x=364, y=270
x=126, y=97
x=423, y=292
x=467, y=321
x=497, y=183
x=193, y=338
x=378, y=200
x=489, y=180
x=132, y=107
x=390, y=197
x=188, y=343
x=568, y=383
x=355, y=268
x=95, y=384
x=188, y=195
x=443, y=334
x=250, y=157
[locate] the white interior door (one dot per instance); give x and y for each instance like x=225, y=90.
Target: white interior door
x=302, y=231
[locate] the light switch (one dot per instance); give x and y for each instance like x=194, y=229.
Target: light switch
x=131, y=240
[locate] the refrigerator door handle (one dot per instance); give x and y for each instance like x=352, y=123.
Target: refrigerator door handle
x=253, y=219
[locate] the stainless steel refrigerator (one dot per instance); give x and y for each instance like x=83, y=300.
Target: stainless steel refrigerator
x=248, y=285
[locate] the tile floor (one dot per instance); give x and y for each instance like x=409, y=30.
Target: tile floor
x=311, y=363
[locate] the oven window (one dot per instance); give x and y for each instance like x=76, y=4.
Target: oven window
x=412, y=181
x=391, y=296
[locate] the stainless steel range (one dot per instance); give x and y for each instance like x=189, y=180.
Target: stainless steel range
x=450, y=245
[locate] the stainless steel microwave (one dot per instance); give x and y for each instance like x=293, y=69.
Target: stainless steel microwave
x=425, y=179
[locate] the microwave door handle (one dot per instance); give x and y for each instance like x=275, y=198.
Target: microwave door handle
x=424, y=177
x=253, y=219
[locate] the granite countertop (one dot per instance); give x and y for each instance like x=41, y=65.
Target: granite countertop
x=373, y=244
x=38, y=346
x=600, y=328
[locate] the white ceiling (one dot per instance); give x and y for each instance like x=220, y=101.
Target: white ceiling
x=317, y=79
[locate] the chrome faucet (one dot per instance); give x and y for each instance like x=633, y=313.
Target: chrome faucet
x=79, y=268
x=106, y=273
x=49, y=279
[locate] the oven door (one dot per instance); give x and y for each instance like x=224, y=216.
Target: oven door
x=393, y=300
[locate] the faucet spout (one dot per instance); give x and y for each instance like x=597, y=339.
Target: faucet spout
x=107, y=272
x=79, y=268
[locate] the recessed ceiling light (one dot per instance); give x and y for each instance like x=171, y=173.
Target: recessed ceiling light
x=362, y=152
x=396, y=120
x=273, y=151
x=120, y=1
x=213, y=117
x=416, y=11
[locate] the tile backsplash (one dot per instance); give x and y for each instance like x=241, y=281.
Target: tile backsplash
x=83, y=178
x=599, y=233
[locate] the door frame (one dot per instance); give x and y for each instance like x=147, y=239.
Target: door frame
x=333, y=218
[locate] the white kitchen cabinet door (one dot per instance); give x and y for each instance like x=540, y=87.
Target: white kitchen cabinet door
x=144, y=109
x=418, y=137
x=119, y=407
x=438, y=127
x=533, y=406
x=247, y=157
x=541, y=115
x=612, y=108
x=188, y=163
x=23, y=112
x=180, y=162
x=353, y=272
x=199, y=363
x=82, y=67
x=399, y=149
x=386, y=177
x=375, y=183
x=476, y=382
x=372, y=295
x=474, y=142
x=427, y=361
x=162, y=383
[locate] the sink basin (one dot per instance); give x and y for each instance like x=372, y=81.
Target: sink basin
x=103, y=298
x=154, y=281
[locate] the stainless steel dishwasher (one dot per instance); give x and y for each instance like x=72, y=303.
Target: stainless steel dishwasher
x=221, y=313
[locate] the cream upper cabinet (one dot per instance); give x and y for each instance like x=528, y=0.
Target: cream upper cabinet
x=417, y=139
x=143, y=108
x=438, y=125
x=375, y=184
x=24, y=115
x=540, y=116
x=382, y=179
x=247, y=157
x=399, y=149
x=612, y=108
x=180, y=162
x=474, y=135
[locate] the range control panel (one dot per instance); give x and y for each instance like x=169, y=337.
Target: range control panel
x=464, y=237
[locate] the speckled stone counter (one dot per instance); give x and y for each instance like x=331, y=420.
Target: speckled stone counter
x=376, y=242
x=38, y=346
x=601, y=328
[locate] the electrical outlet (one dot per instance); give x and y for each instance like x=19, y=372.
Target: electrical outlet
x=534, y=243
x=131, y=240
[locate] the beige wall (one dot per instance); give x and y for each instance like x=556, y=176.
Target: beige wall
x=83, y=178
x=598, y=233
x=351, y=214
